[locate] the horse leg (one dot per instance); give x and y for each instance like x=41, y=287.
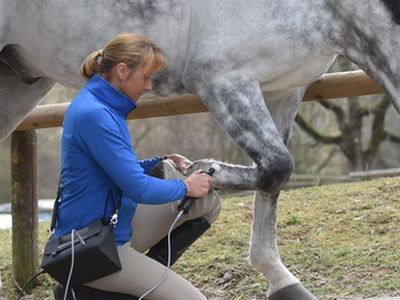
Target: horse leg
x=263, y=241
x=237, y=103
x=19, y=92
x=264, y=254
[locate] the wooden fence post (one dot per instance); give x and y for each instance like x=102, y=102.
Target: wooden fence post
x=24, y=201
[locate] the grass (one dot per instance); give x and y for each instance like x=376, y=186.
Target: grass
x=342, y=241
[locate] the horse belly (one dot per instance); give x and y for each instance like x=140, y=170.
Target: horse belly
x=269, y=39
x=61, y=35
x=273, y=80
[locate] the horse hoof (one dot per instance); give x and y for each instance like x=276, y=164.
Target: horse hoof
x=292, y=292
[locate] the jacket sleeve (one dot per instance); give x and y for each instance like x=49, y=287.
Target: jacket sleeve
x=100, y=137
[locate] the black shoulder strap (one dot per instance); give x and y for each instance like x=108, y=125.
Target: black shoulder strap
x=116, y=209
x=55, y=207
x=57, y=203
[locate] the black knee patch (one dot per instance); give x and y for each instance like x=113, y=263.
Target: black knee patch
x=182, y=238
x=275, y=176
x=158, y=171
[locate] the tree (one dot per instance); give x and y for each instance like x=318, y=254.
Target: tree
x=358, y=145
x=351, y=123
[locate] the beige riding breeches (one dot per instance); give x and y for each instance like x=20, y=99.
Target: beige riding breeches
x=150, y=224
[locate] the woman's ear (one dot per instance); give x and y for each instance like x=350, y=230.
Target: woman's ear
x=122, y=71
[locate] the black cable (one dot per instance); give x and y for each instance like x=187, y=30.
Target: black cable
x=28, y=283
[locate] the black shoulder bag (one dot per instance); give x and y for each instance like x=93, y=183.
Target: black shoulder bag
x=94, y=252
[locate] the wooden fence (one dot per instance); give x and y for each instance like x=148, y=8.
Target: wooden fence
x=302, y=180
x=24, y=153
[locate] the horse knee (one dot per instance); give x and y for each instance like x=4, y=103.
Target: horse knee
x=274, y=175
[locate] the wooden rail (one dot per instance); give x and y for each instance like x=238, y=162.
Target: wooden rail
x=24, y=161
x=328, y=86
x=305, y=180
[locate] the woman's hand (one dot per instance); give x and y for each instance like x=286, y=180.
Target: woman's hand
x=198, y=184
x=181, y=162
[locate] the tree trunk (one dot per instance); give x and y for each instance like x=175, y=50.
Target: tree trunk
x=353, y=137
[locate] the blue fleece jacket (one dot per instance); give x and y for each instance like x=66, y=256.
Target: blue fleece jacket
x=97, y=157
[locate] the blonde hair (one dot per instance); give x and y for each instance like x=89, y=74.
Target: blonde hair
x=132, y=49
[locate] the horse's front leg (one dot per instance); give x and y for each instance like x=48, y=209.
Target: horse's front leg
x=237, y=103
x=264, y=254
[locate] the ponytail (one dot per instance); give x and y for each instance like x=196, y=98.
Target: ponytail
x=130, y=48
x=91, y=65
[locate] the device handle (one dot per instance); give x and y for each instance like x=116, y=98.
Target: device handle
x=187, y=202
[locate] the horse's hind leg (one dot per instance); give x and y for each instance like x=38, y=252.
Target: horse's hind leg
x=237, y=103
x=18, y=96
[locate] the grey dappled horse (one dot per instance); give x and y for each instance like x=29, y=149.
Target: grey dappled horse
x=223, y=51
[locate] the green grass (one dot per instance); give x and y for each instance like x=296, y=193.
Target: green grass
x=342, y=241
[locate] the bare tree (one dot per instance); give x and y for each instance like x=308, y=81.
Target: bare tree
x=359, y=153
x=353, y=118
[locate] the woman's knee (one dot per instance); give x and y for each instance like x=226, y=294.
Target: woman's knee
x=208, y=207
x=166, y=170
x=212, y=207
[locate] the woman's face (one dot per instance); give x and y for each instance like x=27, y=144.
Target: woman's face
x=137, y=83
x=132, y=83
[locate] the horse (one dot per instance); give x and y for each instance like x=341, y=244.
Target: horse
x=249, y=62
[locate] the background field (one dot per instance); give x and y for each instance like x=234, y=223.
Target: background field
x=341, y=240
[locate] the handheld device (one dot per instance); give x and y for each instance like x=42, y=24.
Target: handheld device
x=187, y=202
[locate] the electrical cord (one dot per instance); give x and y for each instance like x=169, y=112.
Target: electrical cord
x=71, y=269
x=183, y=209
x=73, y=231
x=168, y=267
x=28, y=283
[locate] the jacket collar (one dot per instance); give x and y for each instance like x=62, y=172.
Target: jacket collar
x=110, y=96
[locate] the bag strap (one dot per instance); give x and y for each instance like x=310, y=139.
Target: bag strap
x=55, y=207
x=114, y=218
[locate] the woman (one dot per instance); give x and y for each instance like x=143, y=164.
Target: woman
x=97, y=158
